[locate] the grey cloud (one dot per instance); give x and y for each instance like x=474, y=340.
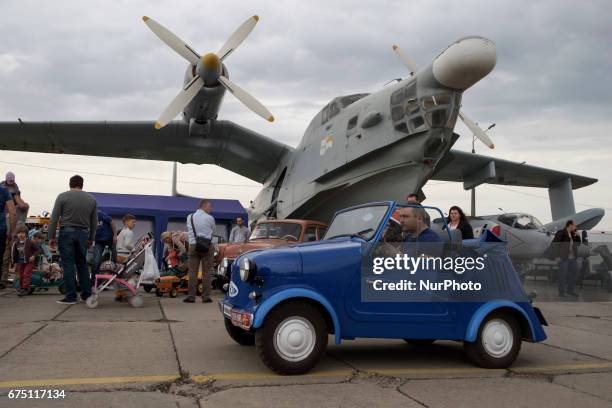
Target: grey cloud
x=550, y=93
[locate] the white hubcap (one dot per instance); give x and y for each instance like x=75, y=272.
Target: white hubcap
x=497, y=338
x=294, y=338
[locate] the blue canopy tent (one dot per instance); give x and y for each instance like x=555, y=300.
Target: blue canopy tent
x=161, y=213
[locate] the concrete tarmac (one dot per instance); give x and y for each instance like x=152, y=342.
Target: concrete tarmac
x=168, y=353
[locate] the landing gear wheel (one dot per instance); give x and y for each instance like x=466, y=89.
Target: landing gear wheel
x=200, y=289
x=92, y=301
x=147, y=288
x=240, y=336
x=173, y=292
x=135, y=301
x=292, y=339
x=159, y=293
x=419, y=342
x=498, y=342
x=62, y=289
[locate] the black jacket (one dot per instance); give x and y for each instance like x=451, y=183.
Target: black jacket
x=560, y=244
x=466, y=229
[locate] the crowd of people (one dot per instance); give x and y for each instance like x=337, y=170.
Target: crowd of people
x=81, y=225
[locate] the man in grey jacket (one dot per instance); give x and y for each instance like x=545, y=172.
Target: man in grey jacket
x=77, y=214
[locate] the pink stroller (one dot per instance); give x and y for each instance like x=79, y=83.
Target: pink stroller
x=124, y=276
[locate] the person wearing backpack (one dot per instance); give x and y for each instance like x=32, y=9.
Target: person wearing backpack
x=200, y=228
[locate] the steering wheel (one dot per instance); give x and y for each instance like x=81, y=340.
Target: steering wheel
x=289, y=237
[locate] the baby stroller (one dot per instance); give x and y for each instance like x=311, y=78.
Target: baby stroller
x=124, y=276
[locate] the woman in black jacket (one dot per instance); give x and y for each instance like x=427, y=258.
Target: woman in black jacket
x=457, y=220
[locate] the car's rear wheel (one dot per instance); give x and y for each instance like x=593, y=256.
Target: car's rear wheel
x=240, y=336
x=419, y=342
x=498, y=342
x=292, y=339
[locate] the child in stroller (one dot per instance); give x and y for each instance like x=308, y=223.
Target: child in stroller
x=126, y=277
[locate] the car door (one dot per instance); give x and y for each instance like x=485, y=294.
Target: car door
x=410, y=317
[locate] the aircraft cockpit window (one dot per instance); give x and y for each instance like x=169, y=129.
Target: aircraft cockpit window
x=437, y=118
x=507, y=219
x=410, y=90
x=352, y=122
x=349, y=99
x=417, y=123
x=333, y=110
x=324, y=115
x=397, y=112
x=442, y=99
x=401, y=127
x=429, y=102
x=433, y=101
x=397, y=97
x=412, y=107
x=329, y=112
x=526, y=222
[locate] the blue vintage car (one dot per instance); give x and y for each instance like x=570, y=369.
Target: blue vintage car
x=286, y=301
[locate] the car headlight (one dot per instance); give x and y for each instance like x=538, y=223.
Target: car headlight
x=247, y=269
x=224, y=267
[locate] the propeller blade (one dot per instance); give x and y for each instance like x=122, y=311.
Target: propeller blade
x=180, y=101
x=478, y=132
x=237, y=37
x=247, y=99
x=172, y=41
x=405, y=59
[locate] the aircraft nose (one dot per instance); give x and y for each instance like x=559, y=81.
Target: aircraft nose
x=465, y=62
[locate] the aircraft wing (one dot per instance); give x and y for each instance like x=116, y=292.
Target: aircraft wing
x=474, y=169
x=227, y=145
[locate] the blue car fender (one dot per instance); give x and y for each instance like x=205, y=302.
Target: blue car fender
x=483, y=311
x=268, y=304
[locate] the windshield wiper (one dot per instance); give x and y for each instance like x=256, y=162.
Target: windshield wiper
x=357, y=235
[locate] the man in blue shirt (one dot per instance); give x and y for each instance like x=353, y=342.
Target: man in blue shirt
x=6, y=205
x=106, y=236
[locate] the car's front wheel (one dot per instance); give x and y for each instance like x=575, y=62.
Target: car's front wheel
x=240, y=336
x=292, y=339
x=498, y=342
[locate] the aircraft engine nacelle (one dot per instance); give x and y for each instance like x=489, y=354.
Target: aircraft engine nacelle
x=465, y=62
x=205, y=106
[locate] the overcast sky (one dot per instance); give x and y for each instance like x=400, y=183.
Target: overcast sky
x=550, y=93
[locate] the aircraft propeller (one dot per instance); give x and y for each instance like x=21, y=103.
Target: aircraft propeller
x=208, y=70
x=476, y=130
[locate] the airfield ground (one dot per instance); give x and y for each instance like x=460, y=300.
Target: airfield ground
x=168, y=353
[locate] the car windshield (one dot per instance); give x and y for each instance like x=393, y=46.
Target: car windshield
x=277, y=230
x=362, y=222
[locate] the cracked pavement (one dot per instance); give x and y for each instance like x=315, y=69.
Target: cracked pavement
x=171, y=354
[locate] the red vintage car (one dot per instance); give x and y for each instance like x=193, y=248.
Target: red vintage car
x=267, y=234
